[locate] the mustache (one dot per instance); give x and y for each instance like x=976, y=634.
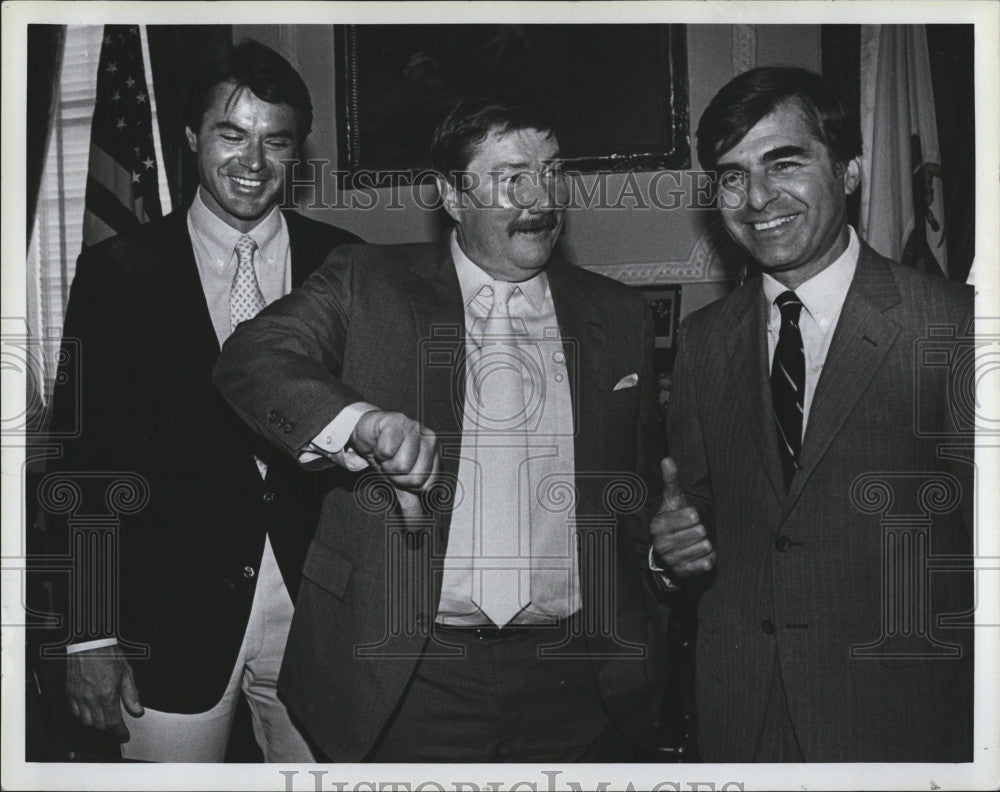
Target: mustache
x=542, y=222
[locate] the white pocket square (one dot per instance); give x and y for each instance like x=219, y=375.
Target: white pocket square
x=627, y=382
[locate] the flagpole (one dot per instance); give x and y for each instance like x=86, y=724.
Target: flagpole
x=164, y=188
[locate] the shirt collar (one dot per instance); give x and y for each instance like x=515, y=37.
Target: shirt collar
x=471, y=278
x=823, y=294
x=221, y=237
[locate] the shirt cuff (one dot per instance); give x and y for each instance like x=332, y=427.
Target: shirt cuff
x=332, y=440
x=654, y=567
x=83, y=646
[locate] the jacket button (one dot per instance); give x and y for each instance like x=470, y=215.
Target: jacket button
x=287, y=428
x=249, y=572
x=272, y=416
x=767, y=626
x=268, y=497
x=782, y=543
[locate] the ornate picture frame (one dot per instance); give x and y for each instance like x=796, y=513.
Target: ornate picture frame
x=618, y=93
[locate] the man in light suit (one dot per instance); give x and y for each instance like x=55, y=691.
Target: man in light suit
x=804, y=427
x=209, y=567
x=495, y=605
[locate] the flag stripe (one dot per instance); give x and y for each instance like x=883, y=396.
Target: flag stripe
x=112, y=176
x=104, y=204
x=95, y=228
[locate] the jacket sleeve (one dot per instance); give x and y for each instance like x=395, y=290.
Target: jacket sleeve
x=85, y=420
x=281, y=370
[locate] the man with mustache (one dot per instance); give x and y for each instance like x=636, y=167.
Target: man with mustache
x=807, y=424
x=209, y=567
x=478, y=590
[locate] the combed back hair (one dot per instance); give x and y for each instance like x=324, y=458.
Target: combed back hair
x=260, y=69
x=746, y=99
x=471, y=121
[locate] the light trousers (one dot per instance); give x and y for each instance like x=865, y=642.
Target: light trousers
x=202, y=737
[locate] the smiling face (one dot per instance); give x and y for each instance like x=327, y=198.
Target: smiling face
x=240, y=145
x=783, y=197
x=509, y=219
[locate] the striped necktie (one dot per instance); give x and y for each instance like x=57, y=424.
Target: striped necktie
x=788, y=383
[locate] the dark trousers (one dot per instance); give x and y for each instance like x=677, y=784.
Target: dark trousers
x=501, y=702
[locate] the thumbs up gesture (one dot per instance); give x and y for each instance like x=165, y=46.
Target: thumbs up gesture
x=680, y=541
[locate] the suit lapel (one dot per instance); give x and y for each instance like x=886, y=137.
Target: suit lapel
x=305, y=253
x=435, y=299
x=860, y=343
x=189, y=315
x=585, y=343
x=748, y=378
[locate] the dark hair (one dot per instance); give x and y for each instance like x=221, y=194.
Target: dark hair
x=251, y=65
x=746, y=99
x=470, y=122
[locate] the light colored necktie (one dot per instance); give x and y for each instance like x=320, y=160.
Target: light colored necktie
x=245, y=299
x=501, y=543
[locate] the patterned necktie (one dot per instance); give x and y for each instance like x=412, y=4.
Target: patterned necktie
x=501, y=542
x=788, y=383
x=245, y=299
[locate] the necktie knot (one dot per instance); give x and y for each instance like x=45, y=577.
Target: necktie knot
x=499, y=294
x=246, y=245
x=497, y=325
x=790, y=306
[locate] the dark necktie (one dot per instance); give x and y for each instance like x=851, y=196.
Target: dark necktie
x=788, y=383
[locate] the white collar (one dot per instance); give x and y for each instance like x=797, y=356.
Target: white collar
x=472, y=278
x=824, y=293
x=220, y=236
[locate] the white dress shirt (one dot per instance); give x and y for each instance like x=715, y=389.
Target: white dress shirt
x=555, y=586
x=822, y=298
x=214, y=244
x=555, y=580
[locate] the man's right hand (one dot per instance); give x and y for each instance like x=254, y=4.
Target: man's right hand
x=680, y=541
x=404, y=451
x=98, y=683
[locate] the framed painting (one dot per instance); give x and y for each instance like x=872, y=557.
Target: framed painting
x=617, y=93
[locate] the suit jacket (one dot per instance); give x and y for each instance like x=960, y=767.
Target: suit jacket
x=386, y=324
x=799, y=578
x=187, y=560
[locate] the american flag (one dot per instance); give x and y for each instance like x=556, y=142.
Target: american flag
x=122, y=188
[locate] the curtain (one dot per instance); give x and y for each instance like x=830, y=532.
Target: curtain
x=45, y=52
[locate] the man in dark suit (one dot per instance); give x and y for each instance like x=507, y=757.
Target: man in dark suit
x=209, y=566
x=491, y=604
x=805, y=435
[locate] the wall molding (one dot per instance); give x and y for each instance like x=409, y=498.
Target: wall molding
x=705, y=264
